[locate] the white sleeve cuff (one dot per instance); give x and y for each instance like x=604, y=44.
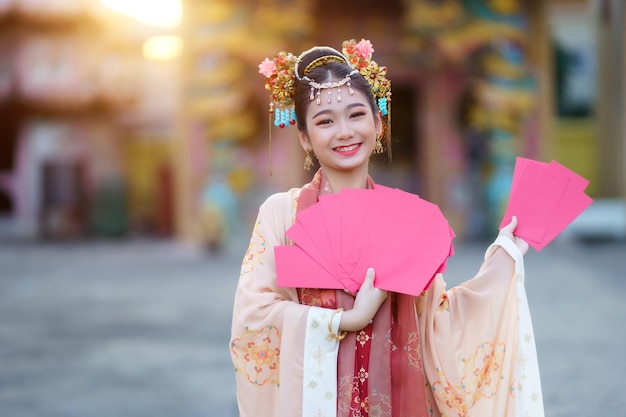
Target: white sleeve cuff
x=319, y=379
x=513, y=251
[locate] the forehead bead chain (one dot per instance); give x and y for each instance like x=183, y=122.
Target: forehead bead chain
x=329, y=86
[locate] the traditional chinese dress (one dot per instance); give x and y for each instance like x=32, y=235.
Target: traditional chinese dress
x=467, y=351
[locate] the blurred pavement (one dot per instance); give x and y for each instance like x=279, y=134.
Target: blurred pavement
x=140, y=328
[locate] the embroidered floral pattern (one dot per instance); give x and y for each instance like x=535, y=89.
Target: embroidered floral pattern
x=362, y=338
x=256, y=355
x=485, y=368
x=361, y=406
x=256, y=249
x=310, y=297
x=320, y=362
x=482, y=372
x=344, y=394
x=448, y=394
x=412, y=350
x=379, y=405
x=362, y=375
x=389, y=341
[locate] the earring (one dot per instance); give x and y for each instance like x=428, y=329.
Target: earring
x=378, y=148
x=308, y=161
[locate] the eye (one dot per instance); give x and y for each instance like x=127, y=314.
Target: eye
x=357, y=114
x=322, y=122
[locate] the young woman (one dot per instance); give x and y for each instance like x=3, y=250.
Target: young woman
x=467, y=351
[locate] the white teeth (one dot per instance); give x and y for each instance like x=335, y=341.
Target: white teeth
x=347, y=148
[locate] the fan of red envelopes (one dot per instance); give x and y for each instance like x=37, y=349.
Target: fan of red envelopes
x=406, y=239
x=545, y=198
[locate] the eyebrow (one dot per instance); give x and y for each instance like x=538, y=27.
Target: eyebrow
x=348, y=107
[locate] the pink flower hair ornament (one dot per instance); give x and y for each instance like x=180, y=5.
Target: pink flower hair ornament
x=267, y=68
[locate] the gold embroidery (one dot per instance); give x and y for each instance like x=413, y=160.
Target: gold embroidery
x=256, y=355
x=412, y=350
x=482, y=374
x=256, y=249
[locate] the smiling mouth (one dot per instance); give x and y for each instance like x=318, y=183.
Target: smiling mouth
x=349, y=148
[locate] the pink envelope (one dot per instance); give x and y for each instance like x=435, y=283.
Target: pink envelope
x=546, y=198
x=296, y=269
x=404, y=238
x=312, y=243
x=572, y=205
x=536, y=193
x=578, y=181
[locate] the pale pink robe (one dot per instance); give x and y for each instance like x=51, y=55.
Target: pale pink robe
x=475, y=348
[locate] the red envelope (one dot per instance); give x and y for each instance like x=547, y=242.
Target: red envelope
x=546, y=198
x=404, y=238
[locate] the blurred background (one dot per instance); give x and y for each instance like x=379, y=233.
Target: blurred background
x=134, y=154
x=127, y=118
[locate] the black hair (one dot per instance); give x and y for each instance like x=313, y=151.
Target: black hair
x=327, y=72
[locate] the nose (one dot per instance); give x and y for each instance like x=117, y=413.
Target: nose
x=344, y=129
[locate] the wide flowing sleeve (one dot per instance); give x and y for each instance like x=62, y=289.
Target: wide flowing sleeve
x=478, y=343
x=281, y=350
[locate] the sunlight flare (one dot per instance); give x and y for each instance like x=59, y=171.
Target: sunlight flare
x=163, y=48
x=160, y=13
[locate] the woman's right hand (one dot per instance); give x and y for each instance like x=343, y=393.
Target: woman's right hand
x=509, y=231
x=367, y=302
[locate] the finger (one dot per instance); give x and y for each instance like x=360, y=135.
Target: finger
x=369, y=276
x=512, y=225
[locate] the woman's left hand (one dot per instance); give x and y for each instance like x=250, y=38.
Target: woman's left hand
x=508, y=230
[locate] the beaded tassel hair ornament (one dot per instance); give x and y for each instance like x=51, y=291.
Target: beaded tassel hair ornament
x=282, y=71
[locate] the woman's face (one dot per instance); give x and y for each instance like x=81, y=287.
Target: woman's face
x=341, y=134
